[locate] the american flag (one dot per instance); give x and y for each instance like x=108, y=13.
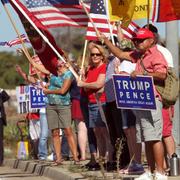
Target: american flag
x=100, y=19
x=46, y=54
x=18, y=41
x=55, y=13
x=4, y=44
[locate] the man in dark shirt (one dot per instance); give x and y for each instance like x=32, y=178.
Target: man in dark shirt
x=3, y=98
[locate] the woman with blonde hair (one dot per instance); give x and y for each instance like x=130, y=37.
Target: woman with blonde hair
x=93, y=83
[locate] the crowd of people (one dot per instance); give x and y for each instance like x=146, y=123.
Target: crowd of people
x=89, y=102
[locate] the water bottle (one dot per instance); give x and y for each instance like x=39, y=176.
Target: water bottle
x=174, y=165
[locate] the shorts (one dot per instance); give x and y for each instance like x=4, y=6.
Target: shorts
x=149, y=124
x=95, y=119
x=128, y=118
x=58, y=116
x=76, y=110
x=167, y=122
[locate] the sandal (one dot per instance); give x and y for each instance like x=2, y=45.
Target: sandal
x=77, y=162
x=57, y=163
x=83, y=159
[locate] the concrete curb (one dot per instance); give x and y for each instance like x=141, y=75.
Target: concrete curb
x=62, y=172
x=43, y=169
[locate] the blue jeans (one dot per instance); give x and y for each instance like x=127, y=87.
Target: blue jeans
x=91, y=136
x=42, y=147
x=64, y=146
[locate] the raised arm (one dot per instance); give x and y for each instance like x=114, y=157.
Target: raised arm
x=27, y=78
x=120, y=34
x=115, y=50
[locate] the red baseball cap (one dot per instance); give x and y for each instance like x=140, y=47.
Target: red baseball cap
x=143, y=33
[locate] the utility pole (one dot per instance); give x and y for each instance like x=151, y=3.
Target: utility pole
x=172, y=39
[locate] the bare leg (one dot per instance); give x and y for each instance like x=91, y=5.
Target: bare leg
x=82, y=138
x=57, y=144
x=169, y=146
x=134, y=148
x=155, y=155
x=103, y=142
x=71, y=141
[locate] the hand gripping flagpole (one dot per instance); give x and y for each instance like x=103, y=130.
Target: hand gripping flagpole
x=83, y=58
x=44, y=38
x=24, y=48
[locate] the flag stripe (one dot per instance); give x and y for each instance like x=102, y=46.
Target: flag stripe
x=54, y=14
x=100, y=20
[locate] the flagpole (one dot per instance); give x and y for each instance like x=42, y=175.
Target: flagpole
x=25, y=51
x=108, y=20
x=44, y=38
x=84, y=55
x=148, y=12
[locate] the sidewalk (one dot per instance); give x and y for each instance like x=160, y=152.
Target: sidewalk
x=67, y=171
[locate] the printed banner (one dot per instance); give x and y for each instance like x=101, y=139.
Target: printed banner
x=22, y=94
x=37, y=98
x=119, y=8
x=136, y=93
x=29, y=99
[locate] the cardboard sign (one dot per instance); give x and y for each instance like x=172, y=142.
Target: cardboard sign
x=29, y=99
x=136, y=93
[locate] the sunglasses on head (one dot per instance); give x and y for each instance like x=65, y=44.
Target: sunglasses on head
x=96, y=54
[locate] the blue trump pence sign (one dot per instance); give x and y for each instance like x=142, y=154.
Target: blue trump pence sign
x=134, y=93
x=37, y=98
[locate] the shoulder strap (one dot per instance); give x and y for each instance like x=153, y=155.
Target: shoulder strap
x=142, y=65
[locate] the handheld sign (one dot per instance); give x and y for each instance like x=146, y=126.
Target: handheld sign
x=134, y=93
x=37, y=98
x=29, y=99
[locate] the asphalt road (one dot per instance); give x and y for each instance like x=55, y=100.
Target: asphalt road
x=7, y=173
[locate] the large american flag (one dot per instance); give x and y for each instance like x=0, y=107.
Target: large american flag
x=55, y=13
x=100, y=19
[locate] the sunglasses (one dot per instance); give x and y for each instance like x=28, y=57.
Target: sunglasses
x=96, y=54
x=137, y=41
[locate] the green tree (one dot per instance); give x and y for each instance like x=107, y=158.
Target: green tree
x=9, y=78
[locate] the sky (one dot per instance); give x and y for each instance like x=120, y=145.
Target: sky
x=7, y=32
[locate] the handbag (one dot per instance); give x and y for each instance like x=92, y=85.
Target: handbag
x=169, y=89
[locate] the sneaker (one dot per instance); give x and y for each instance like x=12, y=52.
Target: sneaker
x=145, y=176
x=159, y=176
x=50, y=157
x=135, y=169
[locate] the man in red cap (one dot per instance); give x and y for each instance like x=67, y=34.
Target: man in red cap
x=148, y=123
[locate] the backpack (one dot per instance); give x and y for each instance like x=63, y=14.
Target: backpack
x=169, y=91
